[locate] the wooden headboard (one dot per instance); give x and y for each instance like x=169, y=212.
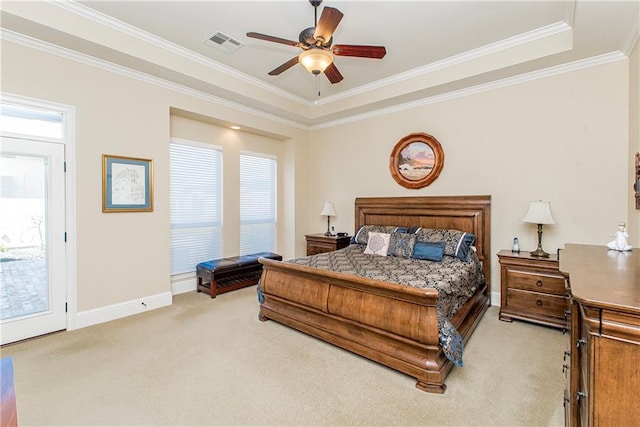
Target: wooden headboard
x=466, y=213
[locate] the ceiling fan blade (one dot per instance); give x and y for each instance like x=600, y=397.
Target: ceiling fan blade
x=327, y=24
x=376, y=52
x=333, y=74
x=273, y=39
x=284, y=67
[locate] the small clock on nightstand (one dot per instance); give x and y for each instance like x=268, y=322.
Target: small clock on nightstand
x=319, y=243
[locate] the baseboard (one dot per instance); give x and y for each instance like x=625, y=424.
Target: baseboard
x=495, y=299
x=184, y=284
x=124, y=309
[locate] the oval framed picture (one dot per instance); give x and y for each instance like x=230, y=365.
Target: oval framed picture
x=416, y=160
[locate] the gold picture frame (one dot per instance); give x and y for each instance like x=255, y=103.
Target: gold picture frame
x=416, y=160
x=127, y=184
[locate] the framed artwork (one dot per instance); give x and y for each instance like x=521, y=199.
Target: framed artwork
x=127, y=184
x=416, y=160
x=636, y=183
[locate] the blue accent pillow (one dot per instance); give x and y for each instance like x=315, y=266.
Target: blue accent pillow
x=457, y=243
x=432, y=251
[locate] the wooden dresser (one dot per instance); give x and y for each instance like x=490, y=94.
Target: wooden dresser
x=531, y=289
x=602, y=362
x=319, y=243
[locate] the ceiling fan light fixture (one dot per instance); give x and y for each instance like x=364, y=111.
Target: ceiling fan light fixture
x=315, y=60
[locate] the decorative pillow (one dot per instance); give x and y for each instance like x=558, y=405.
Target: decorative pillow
x=432, y=251
x=457, y=243
x=378, y=243
x=362, y=235
x=401, y=244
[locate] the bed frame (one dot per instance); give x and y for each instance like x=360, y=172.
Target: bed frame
x=391, y=324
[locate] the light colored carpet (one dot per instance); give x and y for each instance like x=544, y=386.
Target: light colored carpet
x=212, y=362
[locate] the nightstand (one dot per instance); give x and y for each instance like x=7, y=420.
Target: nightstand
x=319, y=243
x=531, y=289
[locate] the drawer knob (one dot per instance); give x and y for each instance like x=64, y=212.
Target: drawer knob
x=539, y=303
x=539, y=283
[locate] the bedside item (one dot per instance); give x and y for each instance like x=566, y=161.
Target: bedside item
x=531, y=289
x=516, y=245
x=539, y=213
x=320, y=243
x=329, y=210
x=619, y=243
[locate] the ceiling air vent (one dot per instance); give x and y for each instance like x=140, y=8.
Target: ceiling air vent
x=223, y=41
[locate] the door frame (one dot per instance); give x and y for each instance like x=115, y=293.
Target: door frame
x=69, y=141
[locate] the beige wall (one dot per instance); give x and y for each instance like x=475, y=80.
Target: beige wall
x=125, y=256
x=563, y=139
x=633, y=226
x=232, y=144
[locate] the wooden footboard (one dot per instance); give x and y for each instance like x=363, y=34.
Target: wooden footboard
x=392, y=324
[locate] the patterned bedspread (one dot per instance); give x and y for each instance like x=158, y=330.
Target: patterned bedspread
x=455, y=280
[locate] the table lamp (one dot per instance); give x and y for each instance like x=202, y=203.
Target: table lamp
x=329, y=210
x=539, y=213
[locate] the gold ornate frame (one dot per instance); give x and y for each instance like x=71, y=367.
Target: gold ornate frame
x=416, y=160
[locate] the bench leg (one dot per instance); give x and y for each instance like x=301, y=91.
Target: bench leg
x=213, y=286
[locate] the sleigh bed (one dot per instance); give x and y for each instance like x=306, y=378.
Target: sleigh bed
x=393, y=324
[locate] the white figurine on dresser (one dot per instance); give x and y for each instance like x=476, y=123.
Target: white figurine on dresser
x=620, y=241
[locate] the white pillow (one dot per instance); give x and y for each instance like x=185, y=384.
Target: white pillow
x=378, y=244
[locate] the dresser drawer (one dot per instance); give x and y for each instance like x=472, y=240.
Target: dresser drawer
x=535, y=281
x=534, y=302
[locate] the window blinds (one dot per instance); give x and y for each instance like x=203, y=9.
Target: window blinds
x=196, y=205
x=257, y=204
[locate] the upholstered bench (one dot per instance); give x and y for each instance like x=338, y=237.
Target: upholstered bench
x=227, y=274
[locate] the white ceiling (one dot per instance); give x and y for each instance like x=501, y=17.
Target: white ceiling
x=433, y=47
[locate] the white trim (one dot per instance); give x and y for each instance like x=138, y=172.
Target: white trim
x=138, y=75
x=259, y=154
x=495, y=299
x=130, y=30
x=182, y=283
x=69, y=141
x=509, y=81
x=123, y=309
x=534, y=75
x=467, y=56
x=191, y=143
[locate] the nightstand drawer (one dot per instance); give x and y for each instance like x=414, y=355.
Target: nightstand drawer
x=534, y=302
x=535, y=281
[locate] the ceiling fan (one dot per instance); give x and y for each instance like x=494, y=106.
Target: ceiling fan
x=317, y=55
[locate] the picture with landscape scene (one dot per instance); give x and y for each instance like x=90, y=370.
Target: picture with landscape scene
x=416, y=160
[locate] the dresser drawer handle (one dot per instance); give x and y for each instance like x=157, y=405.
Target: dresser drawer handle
x=539, y=303
x=539, y=283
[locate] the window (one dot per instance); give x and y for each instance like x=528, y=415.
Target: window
x=34, y=122
x=257, y=203
x=196, y=204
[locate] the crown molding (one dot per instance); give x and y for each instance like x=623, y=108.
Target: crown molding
x=147, y=78
x=98, y=63
x=115, y=24
x=517, y=40
x=485, y=87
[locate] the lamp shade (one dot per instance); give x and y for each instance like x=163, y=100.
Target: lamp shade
x=329, y=209
x=539, y=213
x=315, y=60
